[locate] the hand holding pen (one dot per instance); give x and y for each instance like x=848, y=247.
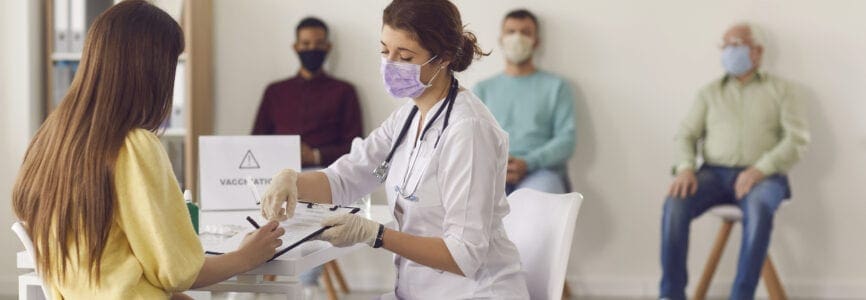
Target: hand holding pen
x=260, y=245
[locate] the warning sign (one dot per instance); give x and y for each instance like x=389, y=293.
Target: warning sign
x=249, y=162
x=227, y=162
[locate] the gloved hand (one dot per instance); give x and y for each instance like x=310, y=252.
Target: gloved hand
x=282, y=190
x=349, y=229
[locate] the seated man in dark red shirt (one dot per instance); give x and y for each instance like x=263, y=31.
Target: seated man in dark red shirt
x=321, y=109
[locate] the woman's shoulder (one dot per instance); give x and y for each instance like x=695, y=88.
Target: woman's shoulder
x=140, y=144
x=470, y=111
x=140, y=136
x=468, y=107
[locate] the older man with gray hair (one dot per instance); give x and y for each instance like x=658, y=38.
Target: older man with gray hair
x=753, y=128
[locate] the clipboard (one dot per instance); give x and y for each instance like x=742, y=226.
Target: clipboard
x=304, y=226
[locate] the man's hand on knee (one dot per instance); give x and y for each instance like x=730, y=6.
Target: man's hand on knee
x=684, y=185
x=746, y=181
x=516, y=170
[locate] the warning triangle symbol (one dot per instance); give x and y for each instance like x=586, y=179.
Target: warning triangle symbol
x=249, y=161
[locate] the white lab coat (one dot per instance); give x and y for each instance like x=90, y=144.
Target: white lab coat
x=461, y=199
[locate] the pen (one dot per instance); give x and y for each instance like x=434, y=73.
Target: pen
x=256, y=225
x=255, y=190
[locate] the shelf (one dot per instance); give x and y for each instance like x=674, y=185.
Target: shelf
x=196, y=20
x=66, y=56
x=174, y=132
x=73, y=56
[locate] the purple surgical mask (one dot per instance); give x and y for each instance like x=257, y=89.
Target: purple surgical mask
x=403, y=80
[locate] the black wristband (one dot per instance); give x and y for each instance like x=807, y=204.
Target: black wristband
x=379, y=236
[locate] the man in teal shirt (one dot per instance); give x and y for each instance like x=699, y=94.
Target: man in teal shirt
x=535, y=107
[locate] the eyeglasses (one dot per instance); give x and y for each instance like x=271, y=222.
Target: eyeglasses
x=735, y=42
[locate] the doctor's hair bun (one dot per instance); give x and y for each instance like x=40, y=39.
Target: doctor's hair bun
x=469, y=51
x=436, y=25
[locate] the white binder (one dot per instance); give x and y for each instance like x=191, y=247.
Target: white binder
x=177, y=119
x=173, y=8
x=61, y=26
x=82, y=13
x=77, y=24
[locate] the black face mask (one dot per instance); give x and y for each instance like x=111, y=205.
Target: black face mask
x=312, y=60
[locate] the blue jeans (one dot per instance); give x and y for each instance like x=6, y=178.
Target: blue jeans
x=543, y=180
x=716, y=187
x=311, y=277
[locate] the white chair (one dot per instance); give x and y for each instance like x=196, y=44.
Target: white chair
x=21, y=232
x=731, y=214
x=541, y=225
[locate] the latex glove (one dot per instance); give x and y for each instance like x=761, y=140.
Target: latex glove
x=283, y=190
x=348, y=230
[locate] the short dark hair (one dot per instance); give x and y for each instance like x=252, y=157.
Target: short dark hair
x=521, y=13
x=311, y=22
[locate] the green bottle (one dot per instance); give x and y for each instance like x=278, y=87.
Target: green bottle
x=193, y=209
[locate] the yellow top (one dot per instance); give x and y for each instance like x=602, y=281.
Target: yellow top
x=152, y=249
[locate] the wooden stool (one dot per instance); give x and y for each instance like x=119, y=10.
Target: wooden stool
x=327, y=268
x=731, y=214
x=332, y=269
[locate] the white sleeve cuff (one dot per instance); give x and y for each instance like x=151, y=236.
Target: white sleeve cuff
x=468, y=264
x=336, y=185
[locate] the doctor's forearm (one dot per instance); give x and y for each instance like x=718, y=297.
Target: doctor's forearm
x=314, y=186
x=428, y=251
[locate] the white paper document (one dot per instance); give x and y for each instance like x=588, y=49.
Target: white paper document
x=304, y=226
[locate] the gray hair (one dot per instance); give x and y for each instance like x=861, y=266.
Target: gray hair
x=758, y=36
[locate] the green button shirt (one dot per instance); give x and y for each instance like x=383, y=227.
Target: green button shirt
x=758, y=123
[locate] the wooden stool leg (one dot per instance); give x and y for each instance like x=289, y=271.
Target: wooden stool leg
x=335, y=268
x=329, y=286
x=713, y=260
x=771, y=280
x=566, y=292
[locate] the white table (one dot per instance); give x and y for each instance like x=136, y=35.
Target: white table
x=289, y=265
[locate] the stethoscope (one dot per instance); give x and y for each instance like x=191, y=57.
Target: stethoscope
x=381, y=172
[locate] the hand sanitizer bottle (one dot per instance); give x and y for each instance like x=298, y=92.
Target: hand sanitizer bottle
x=193, y=209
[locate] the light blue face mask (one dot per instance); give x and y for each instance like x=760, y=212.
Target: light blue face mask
x=736, y=60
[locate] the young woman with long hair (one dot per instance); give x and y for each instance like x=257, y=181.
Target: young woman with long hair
x=96, y=191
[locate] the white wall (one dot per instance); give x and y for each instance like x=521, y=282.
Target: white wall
x=635, y=66
x=19, y=95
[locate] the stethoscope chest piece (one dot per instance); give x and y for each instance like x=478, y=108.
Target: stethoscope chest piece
x=381, y=172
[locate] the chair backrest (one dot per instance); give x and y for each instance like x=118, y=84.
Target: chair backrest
x=541, y=225
x=21, y=232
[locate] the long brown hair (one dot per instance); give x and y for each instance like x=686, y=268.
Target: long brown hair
x=65, y=191
x=437, y=26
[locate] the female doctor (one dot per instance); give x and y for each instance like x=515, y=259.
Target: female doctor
x=442, y=158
